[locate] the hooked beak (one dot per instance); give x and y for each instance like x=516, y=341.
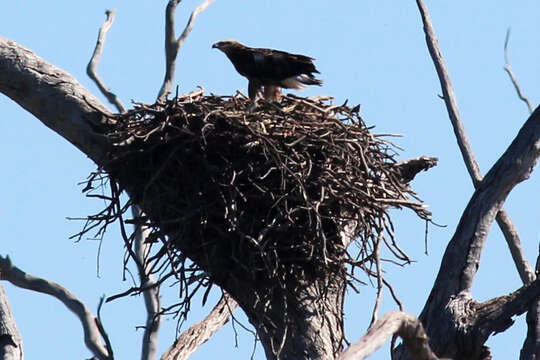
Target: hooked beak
x=215, y=46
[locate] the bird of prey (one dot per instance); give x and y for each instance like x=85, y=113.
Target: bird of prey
x=269, y=69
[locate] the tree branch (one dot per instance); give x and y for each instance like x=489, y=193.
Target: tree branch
x=42, y=88
x=91, y=69
x=510, y=73
x=495, y=315
x=463, y=252
x=172, y=44
x=150, y=294
x=92, y=335
x=11, y=346
x=411, y=167
x=198, y=334
x=461, y=258
x=407, y=326
x=503, y=220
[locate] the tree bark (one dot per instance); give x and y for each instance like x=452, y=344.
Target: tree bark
x=54, y=97
x=450, y=314
x=10, y=340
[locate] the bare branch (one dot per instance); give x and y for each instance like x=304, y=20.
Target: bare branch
x=411, y=167
x=462, y=256
x=198, y=334
x=503, y=220
x=510, y=73
x=19, y=278
x=407, y=326
x=172, y=44
x=151, y=294
x=514, y=166
x=11, y=346
x=91, y=69
x=42, y=88
x=496, y=315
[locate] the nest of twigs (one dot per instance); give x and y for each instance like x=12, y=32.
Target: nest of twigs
x=255, y=195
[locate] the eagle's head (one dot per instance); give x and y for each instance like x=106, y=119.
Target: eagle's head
x=225, y=45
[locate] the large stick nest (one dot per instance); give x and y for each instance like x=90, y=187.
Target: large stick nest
x=254, y=195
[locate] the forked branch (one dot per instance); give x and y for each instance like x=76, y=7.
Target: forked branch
x=510, y=233
x=92, y=334
x=173, y=45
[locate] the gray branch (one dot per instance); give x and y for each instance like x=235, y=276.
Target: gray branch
x=91, y=69
x=150, y=294
x=92, y=335
x=462, y=256
x=407, y=326
x=11, y=346
x=198, y=334
x=173, y=45
x=503, y=220
x=510, y=73
x=42, y=89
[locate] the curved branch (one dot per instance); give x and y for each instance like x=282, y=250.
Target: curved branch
x=91, y=69
x=172, y=44
x=407, y=326
x=11, y=346
x=510, y=73
x=42, y=89
x=463, y=252
x=503, y=220
x=198, y=334
x=92, y=336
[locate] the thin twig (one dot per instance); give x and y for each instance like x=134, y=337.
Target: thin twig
x=503, y=220
x=91, y=69
x=510, y=73
x=92, y=335
x=173, y=45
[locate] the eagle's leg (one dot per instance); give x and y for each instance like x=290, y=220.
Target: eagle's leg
x=272, y=93
x=253, y=88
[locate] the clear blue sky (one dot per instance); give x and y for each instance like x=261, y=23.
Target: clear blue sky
x=369, y=52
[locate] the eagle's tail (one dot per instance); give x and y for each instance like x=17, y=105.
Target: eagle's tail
x=309, y=79
x=300, y=81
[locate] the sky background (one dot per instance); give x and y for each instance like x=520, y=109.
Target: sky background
x=372, y=53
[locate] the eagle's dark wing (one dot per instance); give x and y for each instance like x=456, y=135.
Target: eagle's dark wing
x=272, y=66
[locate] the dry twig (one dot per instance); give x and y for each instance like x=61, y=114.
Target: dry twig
x=92, y=334
x=510, y=73
x=173, y=45
x=91, y=69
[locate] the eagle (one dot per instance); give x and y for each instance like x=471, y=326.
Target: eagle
x=269, y=69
